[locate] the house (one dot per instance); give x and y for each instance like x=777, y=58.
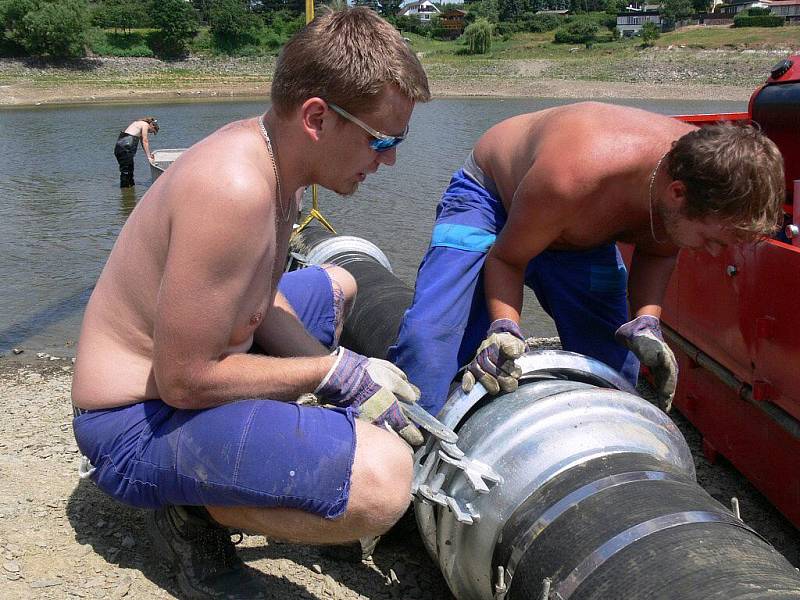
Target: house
x=788, y=9
x=630, y=23
x=737, y=6
x=453, y=21
x=423, y=10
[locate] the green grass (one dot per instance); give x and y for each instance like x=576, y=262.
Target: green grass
x=730, y=37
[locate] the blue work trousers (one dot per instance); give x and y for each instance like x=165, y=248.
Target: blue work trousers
x=585, y=292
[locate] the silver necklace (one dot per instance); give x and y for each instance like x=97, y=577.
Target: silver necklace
x=650, y=197
x=275, y=169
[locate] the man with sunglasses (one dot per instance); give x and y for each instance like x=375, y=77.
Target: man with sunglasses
x=541, y=202
x=172, y=411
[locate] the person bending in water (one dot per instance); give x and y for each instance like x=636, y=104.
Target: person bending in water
x=541, y=201
x=127, y=144
x=173, y=413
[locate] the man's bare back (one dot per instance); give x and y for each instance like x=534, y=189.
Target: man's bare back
x=581, y=167
x=115, y=357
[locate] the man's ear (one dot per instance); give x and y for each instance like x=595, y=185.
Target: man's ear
x=676, y=196
x=315, y=117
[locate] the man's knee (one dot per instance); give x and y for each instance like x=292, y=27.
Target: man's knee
x=345, y=290
x=381, y=482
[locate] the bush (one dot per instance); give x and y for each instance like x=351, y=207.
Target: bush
x=650, y=33
x=542, y=23
x=230, y=23
x=121, y=14
x=758, y=21
x=755, y=11
x=505, y=29
x=479, y=36
x=576, y=32
x=177, y=24
x=57, y=29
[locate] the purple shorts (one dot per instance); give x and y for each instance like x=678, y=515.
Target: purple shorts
x=258, y=452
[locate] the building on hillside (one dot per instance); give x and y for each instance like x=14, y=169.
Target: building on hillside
x=788, y=9
x=422, y=10
x=453, y=21
x=734, y=7
x=563, y=11
x=630, y=23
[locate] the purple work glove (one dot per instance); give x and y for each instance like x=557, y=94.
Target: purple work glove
x=374, y=388
x=642, y=336
x=493, y=365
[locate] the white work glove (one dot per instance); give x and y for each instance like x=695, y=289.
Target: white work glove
x=643, y=337
x=373, y=387
x=493, y=365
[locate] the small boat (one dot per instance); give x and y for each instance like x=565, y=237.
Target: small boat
x=163, y=159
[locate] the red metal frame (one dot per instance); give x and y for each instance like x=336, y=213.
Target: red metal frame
x=742, y=310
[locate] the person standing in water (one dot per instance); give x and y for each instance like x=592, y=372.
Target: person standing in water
x=128, y=142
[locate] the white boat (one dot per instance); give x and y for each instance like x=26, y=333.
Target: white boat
x=163, y=159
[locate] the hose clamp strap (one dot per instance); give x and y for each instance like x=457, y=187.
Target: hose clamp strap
x=565, y=589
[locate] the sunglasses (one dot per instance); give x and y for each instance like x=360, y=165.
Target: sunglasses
x=380, y=142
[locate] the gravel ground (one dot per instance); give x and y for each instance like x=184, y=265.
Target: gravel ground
x=655, y=73
x=62, y=538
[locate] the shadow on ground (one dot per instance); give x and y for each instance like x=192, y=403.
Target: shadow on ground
x=400, y=567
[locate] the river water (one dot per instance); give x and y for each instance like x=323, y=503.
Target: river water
x=61, y=208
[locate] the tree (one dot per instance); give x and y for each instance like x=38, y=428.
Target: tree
x=177, y=22
x=649, y=33
x=230, y=22
x=581, y=31
x=479, y=36
x=675, y=10
x=701, y=6
x=49, y=28
x=122, y=14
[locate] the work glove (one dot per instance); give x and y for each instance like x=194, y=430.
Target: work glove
x=374, y=388
x=493, y=365
x=643, y=337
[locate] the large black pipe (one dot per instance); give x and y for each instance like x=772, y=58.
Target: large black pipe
x=623, y=526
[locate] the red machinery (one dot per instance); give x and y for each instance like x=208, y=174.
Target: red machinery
x=734, y=323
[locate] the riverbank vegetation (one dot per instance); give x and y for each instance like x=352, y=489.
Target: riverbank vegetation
x=216, y=47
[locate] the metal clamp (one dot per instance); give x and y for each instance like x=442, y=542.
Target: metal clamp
x=441, y=454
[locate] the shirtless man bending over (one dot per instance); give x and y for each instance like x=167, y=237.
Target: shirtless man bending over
x=171, y=410
x=541, y=201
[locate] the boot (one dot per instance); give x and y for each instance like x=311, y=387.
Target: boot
x=202, y=555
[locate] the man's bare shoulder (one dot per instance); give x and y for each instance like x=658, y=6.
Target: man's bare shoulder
x=225, y=170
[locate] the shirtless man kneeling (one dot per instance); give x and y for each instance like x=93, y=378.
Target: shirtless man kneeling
x=171, y=410
x=541, y=201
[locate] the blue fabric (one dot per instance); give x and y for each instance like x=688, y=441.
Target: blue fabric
x=311, y=295
x=584, y=291
x=256, y=452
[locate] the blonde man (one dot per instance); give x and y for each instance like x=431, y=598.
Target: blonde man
x=174, y=414
x=541, y=201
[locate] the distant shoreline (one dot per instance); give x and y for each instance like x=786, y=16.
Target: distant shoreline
x=28, y=94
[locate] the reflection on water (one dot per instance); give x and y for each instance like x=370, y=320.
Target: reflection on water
x=61, y=208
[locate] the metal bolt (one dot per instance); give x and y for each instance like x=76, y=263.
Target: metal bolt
x=735, y=508
x=732, y=270
x=792, y=231
x=545, y=589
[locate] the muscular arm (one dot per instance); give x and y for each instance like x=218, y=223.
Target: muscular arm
x=282, y=333
x=538, y=213
x=146, y=142
x=218, y=259
x=648, y=281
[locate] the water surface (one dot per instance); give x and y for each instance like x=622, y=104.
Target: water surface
x=61, y=208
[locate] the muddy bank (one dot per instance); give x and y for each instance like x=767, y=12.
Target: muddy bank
x=653, y=74
x=62, y=538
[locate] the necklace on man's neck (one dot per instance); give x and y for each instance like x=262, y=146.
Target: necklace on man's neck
x=275, y=169
x=650, y=197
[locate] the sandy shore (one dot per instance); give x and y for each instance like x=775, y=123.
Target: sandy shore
x=29, y=94
x=62, y=538
x=679, y=76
